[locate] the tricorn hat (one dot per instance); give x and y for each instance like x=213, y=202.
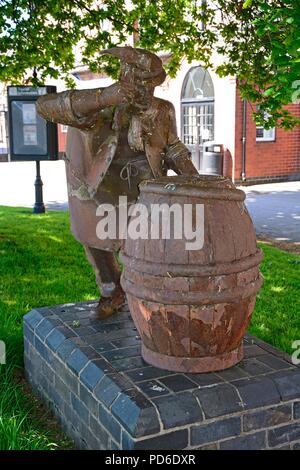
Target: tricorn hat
x=150, y=65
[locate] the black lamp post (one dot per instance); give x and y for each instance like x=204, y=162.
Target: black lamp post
x=39, y=206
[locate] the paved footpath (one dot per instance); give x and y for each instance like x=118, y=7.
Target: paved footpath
x=274, y=208
x=17, y=184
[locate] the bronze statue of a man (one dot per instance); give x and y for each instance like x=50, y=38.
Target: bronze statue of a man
x=118, y=136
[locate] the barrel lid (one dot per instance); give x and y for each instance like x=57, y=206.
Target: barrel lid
x=204, y=186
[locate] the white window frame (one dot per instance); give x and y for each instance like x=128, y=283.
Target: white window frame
x=269, y=135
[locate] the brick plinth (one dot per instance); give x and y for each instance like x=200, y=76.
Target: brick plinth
x=106, y=397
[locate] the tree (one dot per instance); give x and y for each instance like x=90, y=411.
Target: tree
x=258, y=40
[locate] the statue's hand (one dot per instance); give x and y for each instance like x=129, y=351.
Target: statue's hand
x=118, y=93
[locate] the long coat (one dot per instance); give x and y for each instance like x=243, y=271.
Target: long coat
x=92, y=144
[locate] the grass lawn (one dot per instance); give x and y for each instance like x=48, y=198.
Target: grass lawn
x=41, y=264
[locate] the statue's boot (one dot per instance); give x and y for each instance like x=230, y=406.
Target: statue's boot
x=108, y=275
x=108, y=306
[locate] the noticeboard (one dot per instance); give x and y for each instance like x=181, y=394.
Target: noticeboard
x=30, y=136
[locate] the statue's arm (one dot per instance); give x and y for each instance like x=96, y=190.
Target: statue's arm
x=80, y=108
x=63, y=107
x=178, y=157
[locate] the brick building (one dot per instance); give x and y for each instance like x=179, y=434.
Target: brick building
x=210, y=108
x=268, y=155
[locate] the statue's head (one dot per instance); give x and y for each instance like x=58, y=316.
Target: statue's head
x=139, y=66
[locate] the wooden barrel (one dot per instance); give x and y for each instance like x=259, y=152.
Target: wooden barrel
x=192, y=307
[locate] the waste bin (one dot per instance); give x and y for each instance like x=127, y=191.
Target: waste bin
x=212, y=159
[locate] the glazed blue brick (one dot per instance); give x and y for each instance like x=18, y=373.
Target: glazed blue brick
x=136, y=414
x=256, y=441
x=62, y=389
x=32, y=318
x=297, y=410
x=28, y=333
x=41, y=349
x=108, y=421
x=287, y=383
x=54, y=362
x=178, y=410
x=88, y=400
x=47, y=371
x=44, y=384
x=126, y=409
x=127, y=442
x=71, y=419
x=79, y=408
x=65, y=349
x=205, y=433
x=175, y=440
x=114, y=445
x=55, y=339
x=44, y=329
x=265, y=418
x=71, y=381
x=107, y=391
x=26, y=346
x=77, y=361
x=88, y=439
x=257, y=392
x=66, y=331
x=283, y=434
x=91, y=375
x=219, y=400
x=101, y=434
x=46, y=311
x=56, y=398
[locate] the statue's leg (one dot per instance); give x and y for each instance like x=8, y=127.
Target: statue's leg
x=108, y=275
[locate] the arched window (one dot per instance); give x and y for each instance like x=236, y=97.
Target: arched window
x=197, y=103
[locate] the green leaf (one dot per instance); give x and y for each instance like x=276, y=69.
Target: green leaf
x=247, y=3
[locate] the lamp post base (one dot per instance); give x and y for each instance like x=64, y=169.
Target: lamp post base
x=39, y=206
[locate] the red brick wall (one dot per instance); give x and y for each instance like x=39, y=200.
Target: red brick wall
x=267, y=160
